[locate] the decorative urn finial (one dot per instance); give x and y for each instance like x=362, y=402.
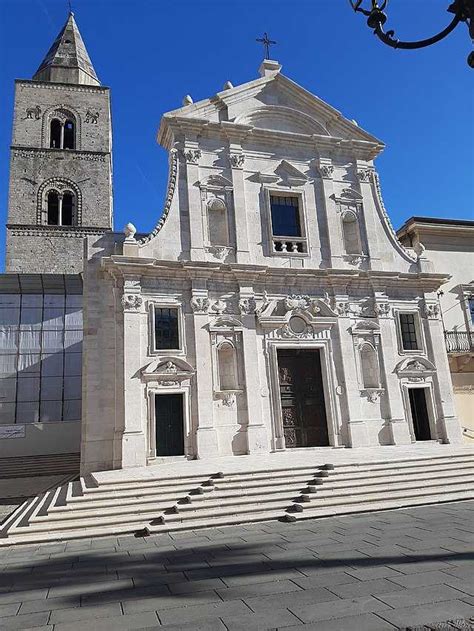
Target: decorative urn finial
x=130, y=232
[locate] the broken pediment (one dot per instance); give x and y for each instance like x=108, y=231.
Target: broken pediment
x=290, y=174
x=415, y=367
x=171, y=369
x=214, y=181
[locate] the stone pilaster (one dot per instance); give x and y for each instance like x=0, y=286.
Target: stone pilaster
x=191, y=155
x=450, y=426
x=257, y=437
x=368, y=217
x=133, y=435
x=356, y=424
x=399, y=429
x=206, y=434
x=237, y=160
x=326, y=170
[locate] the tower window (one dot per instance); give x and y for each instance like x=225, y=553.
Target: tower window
x=68, y=135
x=55, y=139
x=62, y=134
x=53, y=208
x=60, y=208
x=67, y=207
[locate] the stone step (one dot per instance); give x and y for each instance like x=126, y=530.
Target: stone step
x=222, y=497
x=211, y=511
x=67, y=514
x=350, y=497
x=416, y=478
x=114, y=495
x=162, y=481
x=429, y=463
x=133, y=521
x=32, y=536
x=345, y=509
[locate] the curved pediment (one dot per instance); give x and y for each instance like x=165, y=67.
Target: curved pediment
x=414, y=365
x=279, y=118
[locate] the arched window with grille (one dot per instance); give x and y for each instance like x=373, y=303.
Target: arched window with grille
x=69, y=135
x=60, y=208
x=370, y=366
x=55, y=134
x=351, y=233
x=227, y=362
x=53, y=208
x=62, y=131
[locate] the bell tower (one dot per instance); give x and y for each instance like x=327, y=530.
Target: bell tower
x=61, y=161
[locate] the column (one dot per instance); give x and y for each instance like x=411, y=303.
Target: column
x=389, y=352
x=257, y=435
x=206, y=434
x=133, y=436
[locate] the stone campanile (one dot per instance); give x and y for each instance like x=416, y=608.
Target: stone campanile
x=61, y=161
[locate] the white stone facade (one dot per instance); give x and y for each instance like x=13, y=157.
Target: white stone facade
x=241, y=295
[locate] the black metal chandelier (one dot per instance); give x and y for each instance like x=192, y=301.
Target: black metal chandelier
x=463, y=11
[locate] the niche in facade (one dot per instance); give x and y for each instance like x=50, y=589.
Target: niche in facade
x=218, y=229
x=369, y=366
x=351, y=233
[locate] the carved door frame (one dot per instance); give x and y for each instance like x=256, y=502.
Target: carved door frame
x=328, y=378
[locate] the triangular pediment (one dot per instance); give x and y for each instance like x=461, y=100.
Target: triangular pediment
x=273, y=103
x=290, y=173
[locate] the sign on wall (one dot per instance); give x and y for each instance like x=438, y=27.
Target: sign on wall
x=12, y=431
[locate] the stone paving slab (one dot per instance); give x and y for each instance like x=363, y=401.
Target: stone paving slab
x=378, y=571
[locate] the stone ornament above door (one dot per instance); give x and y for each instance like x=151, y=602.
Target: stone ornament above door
x=415, y=369
x=171, y=371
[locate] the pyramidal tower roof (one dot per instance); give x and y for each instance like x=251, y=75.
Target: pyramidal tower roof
x=67, y=61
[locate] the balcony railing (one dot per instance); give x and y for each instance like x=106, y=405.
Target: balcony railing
x=459, y=341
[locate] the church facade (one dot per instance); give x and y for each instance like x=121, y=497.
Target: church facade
x=272, y=307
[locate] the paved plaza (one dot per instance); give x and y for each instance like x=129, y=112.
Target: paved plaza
x=378, y=571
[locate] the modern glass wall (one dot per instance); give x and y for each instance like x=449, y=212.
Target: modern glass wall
x=40, y=357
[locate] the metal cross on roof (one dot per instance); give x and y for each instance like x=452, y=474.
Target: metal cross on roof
x=266, y=43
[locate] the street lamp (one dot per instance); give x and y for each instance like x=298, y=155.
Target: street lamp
x=463, y=11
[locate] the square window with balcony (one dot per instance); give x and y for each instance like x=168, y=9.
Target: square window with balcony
x=287, y=225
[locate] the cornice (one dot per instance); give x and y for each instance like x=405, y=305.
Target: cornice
x=172, y=126
x=47, y=85
x=378, y=280
x=35, y=230
x=56, y=152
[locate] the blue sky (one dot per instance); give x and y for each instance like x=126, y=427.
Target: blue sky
x=153, y=52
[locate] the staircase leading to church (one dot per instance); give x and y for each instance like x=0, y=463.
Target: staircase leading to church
x=212, y=498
